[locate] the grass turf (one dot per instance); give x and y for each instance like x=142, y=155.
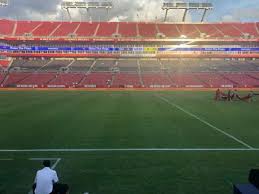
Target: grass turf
x=53, y=120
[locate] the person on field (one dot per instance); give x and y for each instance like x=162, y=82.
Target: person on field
x=45, y=179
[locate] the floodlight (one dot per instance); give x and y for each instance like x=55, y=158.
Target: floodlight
x=86, y=5
x=176, y=5
x=3, y=3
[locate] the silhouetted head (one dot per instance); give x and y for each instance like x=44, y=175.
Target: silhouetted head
x=46, y=163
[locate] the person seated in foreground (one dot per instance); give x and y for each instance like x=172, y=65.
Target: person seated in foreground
x=45, y=179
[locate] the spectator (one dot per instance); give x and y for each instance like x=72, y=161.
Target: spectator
x=45, y=178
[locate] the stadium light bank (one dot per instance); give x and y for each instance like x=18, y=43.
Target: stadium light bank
x=4, y=3
x=86, y=5
x=178, y=5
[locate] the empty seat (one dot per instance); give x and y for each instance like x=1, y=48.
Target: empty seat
x=107, y=29
x=169, y=30
x=65, y=29
x=6, y=27
x=128, y=29
x=147, y=30
x=25, y=27
x=45, y=29
x=86, y=29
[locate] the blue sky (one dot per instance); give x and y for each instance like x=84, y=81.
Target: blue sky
x=240, y=10
x=131, y=10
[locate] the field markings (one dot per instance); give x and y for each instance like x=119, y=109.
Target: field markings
x=6, y=159
x=203, y=121
x=134, y=150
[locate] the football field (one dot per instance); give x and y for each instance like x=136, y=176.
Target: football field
x=128, y=142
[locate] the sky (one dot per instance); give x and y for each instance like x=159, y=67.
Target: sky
x=131, y=10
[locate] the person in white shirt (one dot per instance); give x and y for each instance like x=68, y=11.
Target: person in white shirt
x=45, y=178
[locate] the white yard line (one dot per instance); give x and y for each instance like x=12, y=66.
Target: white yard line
x=55, y=164
x=41, y=159
x=136, y=150
x=6, y=159
x=203, y=121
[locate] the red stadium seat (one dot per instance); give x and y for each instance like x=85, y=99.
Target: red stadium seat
x=39, y=79
x=169, y=30
x=107, y=29
x=86, y=29
x=186, y=80
x=25, y=27
x=209, y=29
x=66, y=28
x=156, y=80
x=126, y=80
x=188, y=30
x=214, y=80
x=147, y=30
x=6, y=27
x=242, y=80
x=228, y=30
x=67, y=79
x=249, y=28
x=96, y=80
x=46, y=28
x=128, y=29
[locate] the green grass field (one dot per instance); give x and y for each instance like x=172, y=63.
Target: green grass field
x=209, y=144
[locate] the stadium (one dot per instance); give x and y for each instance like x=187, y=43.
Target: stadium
x=146, y=106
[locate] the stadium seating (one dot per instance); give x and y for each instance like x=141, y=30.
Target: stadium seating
x=56, y=65
x=215, y=80
x=147, y=30
x=67, y=79
x=65, y=29
x=247, y=28
x=39, y=79
x=209, y=30
x=149, y=66
x=29, y=65
x=127, y=29
x=186, y=80
x=6, y=27
x=169, y=30
x=126, y=80
x=254, y=75
x=104, y=65
x=45, y=29
x=228, y=30
x=15, y=78
x=81, y=66
x=127, y=65
x=4, y=63
x=96, y=80
x=107, y=29
x=2, y=76
x=242, y=80
x=156, y=80
x=86, y=29
x=24, y=27
x=188, y=30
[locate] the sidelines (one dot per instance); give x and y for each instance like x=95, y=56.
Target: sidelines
x=135, y=150
x=203, y=121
